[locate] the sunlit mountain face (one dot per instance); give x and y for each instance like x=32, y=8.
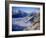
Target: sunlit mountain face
x=21, y=18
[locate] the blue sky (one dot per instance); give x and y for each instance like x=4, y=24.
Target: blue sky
x=26, y=9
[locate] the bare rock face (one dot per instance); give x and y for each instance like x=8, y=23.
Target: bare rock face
x=34, y=27
x=35, y=24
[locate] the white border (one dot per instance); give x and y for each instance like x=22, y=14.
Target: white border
x=25, y=32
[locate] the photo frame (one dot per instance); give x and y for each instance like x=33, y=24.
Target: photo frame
x=24, y=18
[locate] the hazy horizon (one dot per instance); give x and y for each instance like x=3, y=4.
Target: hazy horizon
x=25, y=9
